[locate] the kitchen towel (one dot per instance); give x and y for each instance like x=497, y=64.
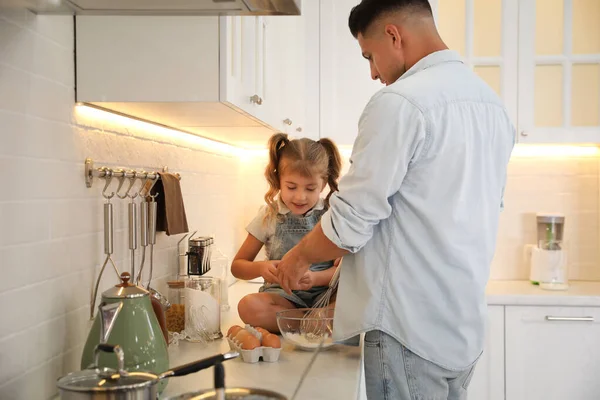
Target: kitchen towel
x=171, y=211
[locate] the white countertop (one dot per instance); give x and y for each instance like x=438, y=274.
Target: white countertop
x=523, y=293
x=334, y=375
x=336, y=372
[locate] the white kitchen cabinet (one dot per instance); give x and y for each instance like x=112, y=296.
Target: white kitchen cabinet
x=552, y=353
x=171, y=59
x=153, y=59
x=243, y=55
x=346, y=84
x=289, y=70
x=235, y=78
x=541, y=56
x=484, y=33
x=203, y=75
x=487, y=382
x=559, y=71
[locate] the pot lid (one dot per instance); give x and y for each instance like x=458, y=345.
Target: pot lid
x=125, y=290
x=105, y=379
x=96, y=379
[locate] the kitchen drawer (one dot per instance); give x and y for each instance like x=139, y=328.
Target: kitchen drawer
x=552, y=353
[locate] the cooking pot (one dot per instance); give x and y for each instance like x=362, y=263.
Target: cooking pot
x=221, y=393
x=110, y=384
x=232, y=394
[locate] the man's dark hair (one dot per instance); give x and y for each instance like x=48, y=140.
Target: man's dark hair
x=365, y=13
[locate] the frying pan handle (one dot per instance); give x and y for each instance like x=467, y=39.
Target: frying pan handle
x=195, y=366
x=219, y=376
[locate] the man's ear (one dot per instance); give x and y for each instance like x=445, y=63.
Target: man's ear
x=392, y=32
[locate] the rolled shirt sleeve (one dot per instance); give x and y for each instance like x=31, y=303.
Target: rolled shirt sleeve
x=391, y=134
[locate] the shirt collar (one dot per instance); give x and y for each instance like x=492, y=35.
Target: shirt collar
x=431, y=60
x=284, y=210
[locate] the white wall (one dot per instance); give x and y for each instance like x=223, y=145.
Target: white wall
x=537, y=183
x=51, y=242
x=566, y=185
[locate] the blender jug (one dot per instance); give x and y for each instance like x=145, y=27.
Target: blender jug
x=549, y=259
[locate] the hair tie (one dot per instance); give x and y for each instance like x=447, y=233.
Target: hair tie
x=282, y=144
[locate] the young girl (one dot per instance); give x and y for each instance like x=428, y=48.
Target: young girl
x=297, y=173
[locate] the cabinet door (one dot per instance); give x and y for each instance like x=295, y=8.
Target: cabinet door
x=552, y=353
x=284, y=71
x=242, y=63
x=276, y=54
x=309, y=123
x=559, y=71
x=291, y=59
x=346, y=84
x=484, y=33
x=295, y=85
x=147, y=59
x=488, y=379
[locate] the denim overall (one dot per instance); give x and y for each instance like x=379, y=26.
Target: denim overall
x=289, y=230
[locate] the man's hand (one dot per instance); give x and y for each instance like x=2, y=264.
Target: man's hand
x=268, y=270
x=291, y=270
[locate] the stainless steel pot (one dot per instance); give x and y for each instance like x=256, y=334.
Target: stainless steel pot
x=232, y=394
x=109, y=384
x=221, y=393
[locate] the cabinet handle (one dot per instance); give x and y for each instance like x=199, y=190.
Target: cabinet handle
x=299, y=129
x=256, y=99
x=287, y=121
x=578, y=319
x=524, y=133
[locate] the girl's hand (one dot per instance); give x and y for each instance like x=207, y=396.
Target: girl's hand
x=268, y=270
x=306, y=282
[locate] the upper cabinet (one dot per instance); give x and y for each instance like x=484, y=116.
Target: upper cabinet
x=559, y=71
x=235, y=79
x=240, y=78
x=346, y=84
x=541, y=56
x=484, y=33
x=289, y=62
x=202, y=75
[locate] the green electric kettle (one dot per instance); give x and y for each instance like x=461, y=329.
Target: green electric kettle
x=126, y=317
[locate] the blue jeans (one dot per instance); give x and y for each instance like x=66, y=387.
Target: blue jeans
x=393, y=372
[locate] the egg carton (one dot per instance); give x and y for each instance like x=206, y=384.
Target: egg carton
x=268, y=354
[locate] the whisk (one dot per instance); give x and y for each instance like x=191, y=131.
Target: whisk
x=311, y=324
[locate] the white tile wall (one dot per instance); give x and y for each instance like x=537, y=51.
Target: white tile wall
x=561, y=185
x=51, y=224
x=564, y=185
x=51, y=241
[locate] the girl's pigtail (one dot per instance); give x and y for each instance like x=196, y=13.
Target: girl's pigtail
x=334, y=168
x=276, y=143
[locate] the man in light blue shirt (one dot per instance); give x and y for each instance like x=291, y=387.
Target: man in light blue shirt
x=416, y=216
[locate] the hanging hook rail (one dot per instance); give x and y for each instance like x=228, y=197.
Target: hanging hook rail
x=109, y=173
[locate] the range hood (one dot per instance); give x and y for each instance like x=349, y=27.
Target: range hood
x=158, y=7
